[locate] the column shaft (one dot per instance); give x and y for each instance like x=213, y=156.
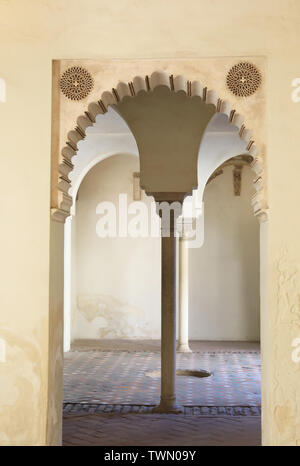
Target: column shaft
x=168, y=321
x=183, y=330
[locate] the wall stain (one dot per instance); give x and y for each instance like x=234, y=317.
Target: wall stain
x=21, y=391
x=118, y=319
x=284, y=418
x=285, y=374
x=288, y=289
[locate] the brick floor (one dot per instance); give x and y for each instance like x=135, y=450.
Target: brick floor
x=160, y=430
x=109, y=396
x=71, y=409
x=122, y=377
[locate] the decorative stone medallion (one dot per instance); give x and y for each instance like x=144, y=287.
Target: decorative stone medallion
x=243, y=79
x=76, y=83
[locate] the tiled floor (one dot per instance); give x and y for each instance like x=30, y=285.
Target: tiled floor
x=133, y=377
x=103, y=389
x=163, y=429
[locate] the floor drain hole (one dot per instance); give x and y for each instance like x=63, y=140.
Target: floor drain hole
x=182, y=372
x=190, y=373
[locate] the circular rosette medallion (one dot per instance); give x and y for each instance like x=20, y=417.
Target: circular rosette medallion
x=76, y=83
x=243, y=79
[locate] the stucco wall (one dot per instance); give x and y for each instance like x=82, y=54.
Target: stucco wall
x=116, y=281
x=224, y=272
x=35, y=32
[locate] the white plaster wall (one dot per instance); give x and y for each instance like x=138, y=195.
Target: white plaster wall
x=117, y=279
x=224, y=273
x=220, y=142
x=116, y=291
x=108, y=136
x=73, y=280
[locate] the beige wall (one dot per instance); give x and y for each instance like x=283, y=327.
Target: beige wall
x=35, y=32
x=55, y=367
x=116, y=281
x=224, y=273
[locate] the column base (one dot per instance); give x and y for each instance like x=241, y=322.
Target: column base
x=183, y=348
x=170, y=407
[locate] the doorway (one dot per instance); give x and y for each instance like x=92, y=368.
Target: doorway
x=113, y=368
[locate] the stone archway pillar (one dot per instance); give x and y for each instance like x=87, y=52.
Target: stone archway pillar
x=168, y=311
x=183, y=309
x=67, y=281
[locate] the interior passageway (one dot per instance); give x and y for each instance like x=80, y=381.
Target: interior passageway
x=118, y=378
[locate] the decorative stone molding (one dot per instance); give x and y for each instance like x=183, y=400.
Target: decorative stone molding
x=59, y=215
x=147, y=84
x=258, y=201
x=243, y=79
x=136, y=187
x=76, y=83
x=216, y=173
x=186, y=228
x=237, y=179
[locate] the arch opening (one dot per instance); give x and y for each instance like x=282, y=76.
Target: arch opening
x=245, y=153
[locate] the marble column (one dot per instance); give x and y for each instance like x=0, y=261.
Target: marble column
x=183, y=310
x=168, y=319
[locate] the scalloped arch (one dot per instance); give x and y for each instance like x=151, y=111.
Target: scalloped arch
x=147, y=84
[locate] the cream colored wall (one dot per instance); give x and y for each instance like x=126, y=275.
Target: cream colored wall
x=55, y=367
x=224, y=272
x=117, y=279
x=35, y=32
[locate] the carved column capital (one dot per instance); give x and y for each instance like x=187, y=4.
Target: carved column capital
x=186, y=228
x=169, y=208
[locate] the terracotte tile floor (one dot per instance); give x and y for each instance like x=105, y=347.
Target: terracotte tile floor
x=160, y=430
x=117, y=389
x=133, y=377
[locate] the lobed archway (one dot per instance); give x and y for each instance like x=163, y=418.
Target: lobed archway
x=139, y=86
x=161, y=84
